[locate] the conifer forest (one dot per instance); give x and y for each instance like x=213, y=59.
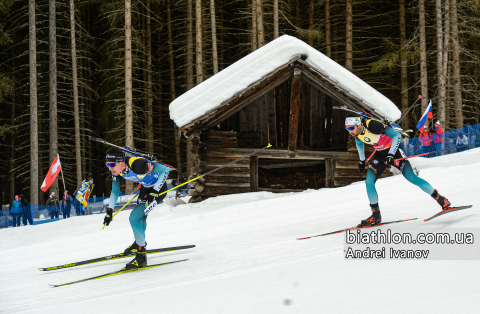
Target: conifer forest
x=109, y=69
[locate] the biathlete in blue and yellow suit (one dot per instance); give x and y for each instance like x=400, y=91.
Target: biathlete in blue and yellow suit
x=83, y=193
x=152, y=177
x=386, y=142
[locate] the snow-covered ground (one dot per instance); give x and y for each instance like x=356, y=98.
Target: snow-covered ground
x=248, y=258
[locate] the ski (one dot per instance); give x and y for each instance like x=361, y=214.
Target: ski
x=115, y=256
x=118, y=272
x=355, y=228
x=448, y=210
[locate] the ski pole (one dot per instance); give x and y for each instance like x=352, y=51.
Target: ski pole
x=138, y=186
x=216, y=169
x=437, y=151
x=419, y=96
x=366, y=161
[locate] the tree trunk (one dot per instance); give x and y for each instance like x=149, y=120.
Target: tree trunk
x=214, y=37
x=335, y=46
x=12, y=143
x=128, y=84
x=159, y=118
x=446, y=47
x=311, y=20
x=349, y=36
x=222, y=38
x=199, y=44
x=440, y=72
x=52, y=32
x=189, y=45
x=33, y=104
x=260, y=33
x=149, y=82
x=172, y=83
x=189, y=75
x=403, y=65
x=298, y=18
x=76, y=109
x=275, y=19
x=328, y=41
x=41, y=162
x=423, y=55
x=457, y=87
x=178, y=156
x=170, y=52
x=254, y=25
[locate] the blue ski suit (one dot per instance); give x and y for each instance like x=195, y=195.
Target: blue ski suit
x=150, y=176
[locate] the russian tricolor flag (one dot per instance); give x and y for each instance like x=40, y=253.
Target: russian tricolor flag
x=428, y=114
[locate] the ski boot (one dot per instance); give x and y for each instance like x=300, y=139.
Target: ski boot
x=441, y=200
x=140, y=259
x=374, y=219
x=132, y=249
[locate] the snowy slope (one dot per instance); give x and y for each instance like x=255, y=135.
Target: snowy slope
x=211, y=93
x=247, y=258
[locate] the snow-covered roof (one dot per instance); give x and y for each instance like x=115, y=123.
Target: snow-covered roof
x=210, y=94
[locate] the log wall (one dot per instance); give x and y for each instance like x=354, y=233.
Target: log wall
x=217, y=148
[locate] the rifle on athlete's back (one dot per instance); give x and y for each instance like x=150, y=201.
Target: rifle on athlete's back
x=133, y=152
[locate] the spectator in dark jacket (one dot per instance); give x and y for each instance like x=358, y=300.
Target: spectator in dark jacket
x=53, y=202
x=66, y=205
x=27, y=210
x=16, y=211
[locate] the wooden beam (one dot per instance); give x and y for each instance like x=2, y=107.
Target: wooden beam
x=294, y=112
x=280, y=190
x=329, y=172
x=254, y=173
x=297, y=163
x=279, y=153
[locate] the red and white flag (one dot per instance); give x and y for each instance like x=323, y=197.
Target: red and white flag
x=52, y=174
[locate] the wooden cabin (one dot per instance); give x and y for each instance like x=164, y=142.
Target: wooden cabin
x=293, y=110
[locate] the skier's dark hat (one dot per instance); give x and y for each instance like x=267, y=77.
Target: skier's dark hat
x=114, y=156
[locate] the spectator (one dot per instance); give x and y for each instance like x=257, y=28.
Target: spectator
x=438, y=137
x=16, y=211
x=84, y=193
x=53, y=209
x=27, y=212
x=66, y=205
x=426, y=139
x=462, y=139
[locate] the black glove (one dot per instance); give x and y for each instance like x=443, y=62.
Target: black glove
x=151, y=201
x=361, y=165
x=108, y=217
x=390, y=160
